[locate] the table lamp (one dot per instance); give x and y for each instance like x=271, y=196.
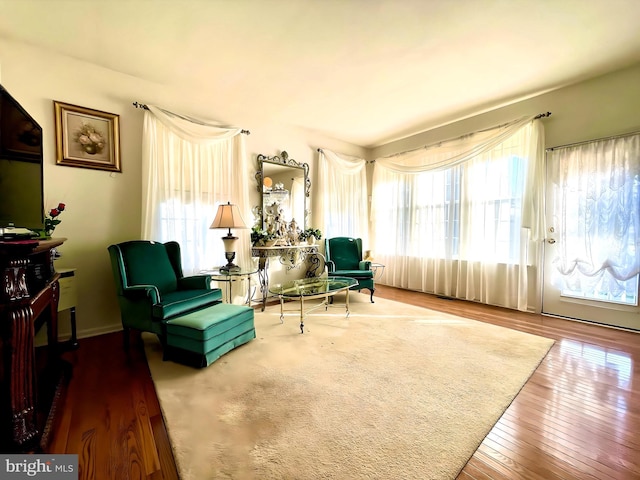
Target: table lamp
x=228, y=216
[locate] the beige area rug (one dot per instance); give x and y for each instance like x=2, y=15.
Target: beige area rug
x=392, y=392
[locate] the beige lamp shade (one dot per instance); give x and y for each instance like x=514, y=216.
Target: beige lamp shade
x=228, y=216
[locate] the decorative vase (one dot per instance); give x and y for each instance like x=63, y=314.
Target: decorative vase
x=311, y=240
x=44, y=234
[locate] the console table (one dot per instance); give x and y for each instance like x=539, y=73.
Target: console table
x=290, y=256
x=30, y=390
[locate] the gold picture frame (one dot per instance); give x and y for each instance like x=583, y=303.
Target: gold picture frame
x=87, y=138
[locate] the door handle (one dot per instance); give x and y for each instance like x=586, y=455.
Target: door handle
x=552, y=240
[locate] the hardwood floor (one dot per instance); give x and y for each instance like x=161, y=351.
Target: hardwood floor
x=577, y=417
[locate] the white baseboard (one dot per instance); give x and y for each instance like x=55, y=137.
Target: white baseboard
x=85, y=333
x=94, y=332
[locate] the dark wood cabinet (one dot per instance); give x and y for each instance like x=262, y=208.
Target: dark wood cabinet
x=31, y=383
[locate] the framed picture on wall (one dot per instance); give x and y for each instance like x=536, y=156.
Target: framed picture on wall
x=87, y=138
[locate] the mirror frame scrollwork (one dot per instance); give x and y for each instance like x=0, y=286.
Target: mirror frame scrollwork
x=283, y=160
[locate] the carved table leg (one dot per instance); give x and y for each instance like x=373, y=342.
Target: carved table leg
x=316, y=264
x=22, y=376
x=263, y=278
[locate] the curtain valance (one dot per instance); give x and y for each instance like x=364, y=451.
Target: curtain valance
x=450, y=153
x=192, y=129
x=344, y=164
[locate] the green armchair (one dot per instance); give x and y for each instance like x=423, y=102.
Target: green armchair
x=152, y=289
x=344, y=259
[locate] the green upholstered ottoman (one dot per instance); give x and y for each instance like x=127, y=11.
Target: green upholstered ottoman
x=201, y=337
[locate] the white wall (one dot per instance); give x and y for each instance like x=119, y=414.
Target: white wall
x=105, y=207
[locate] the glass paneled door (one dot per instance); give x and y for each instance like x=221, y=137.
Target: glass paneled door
x=592, y=249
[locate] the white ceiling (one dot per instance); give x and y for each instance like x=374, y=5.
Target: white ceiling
x=363, y=71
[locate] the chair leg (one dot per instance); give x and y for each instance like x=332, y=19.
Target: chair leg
x=372, y=290
x=126, y=333
x=166, y=355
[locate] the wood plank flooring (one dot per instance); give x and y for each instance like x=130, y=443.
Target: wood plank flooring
x=577, y=417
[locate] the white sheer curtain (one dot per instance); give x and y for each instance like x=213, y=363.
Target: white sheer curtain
x=596, y=216
x=342, y=204
x=189, y=167
x=463, y=218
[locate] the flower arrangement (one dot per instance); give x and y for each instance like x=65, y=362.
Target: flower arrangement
x=51, y=220
x=311, y=232
x=89, y=139
x=259, y=236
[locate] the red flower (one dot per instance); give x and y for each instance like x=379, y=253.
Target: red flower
x=50, y=222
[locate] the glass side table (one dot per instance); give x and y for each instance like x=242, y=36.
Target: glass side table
x=229, y=277
x=378, y=269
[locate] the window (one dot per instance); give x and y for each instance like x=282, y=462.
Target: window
x=595, y=206
x=488, y=193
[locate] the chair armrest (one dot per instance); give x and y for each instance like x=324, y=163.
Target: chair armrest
x=139, y=292
x=331, y=267
x=364, y=265
x=195, y=282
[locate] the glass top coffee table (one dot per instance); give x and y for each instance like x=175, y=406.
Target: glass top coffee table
x=306, y=289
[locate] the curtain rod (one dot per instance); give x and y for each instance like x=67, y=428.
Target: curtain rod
x=144, y=107
x=611, y=137
x=366, y=161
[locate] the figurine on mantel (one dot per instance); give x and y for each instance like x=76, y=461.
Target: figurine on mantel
x=293, y=232
x=280, y=224
x=270, y=224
